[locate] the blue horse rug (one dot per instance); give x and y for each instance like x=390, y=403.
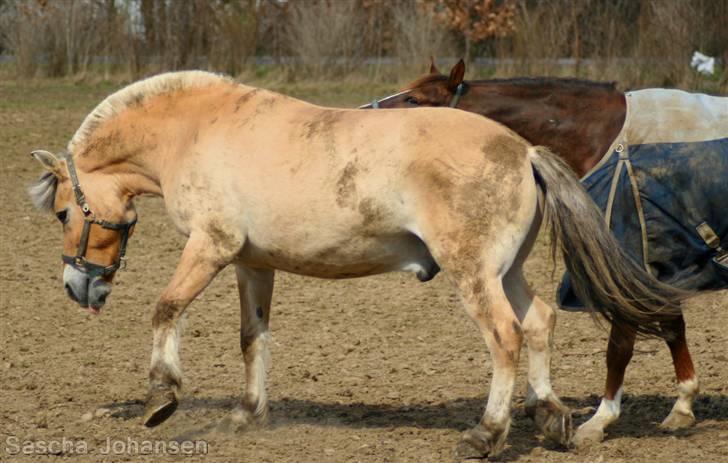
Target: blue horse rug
x=663, y=188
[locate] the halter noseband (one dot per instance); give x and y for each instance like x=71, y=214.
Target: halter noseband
x=453, y=103
x=79, y=261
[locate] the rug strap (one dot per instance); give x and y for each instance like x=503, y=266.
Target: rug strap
x=624, y=162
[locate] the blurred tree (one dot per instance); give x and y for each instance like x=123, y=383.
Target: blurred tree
x=475, y=20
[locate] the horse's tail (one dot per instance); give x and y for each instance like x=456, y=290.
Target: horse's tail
x=603, y=276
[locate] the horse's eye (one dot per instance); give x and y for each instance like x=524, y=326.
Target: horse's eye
x=412, y=100
x=62, y=215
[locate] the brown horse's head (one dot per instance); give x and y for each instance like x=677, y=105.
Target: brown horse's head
x=97, y=219
x=434, y=89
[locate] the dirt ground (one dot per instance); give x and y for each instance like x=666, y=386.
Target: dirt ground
x=372, y=370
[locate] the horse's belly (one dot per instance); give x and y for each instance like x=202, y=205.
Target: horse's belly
x=355, y=257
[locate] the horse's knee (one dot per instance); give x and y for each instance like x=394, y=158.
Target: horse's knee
x=166, y=313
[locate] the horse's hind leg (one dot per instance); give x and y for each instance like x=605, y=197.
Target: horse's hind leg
x=619, y=354
x=487, y=305
x=681, y=415
x=256, y=289
x=537, y=321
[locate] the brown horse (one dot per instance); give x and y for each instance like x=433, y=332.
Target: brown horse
x=579, y=120
x=265, y=182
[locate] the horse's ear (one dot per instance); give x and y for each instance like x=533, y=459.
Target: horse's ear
x=456, y=76
x=50, y=162
x=433, y=66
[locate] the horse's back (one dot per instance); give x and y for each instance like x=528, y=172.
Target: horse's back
x=677, y=146
x=674, y=116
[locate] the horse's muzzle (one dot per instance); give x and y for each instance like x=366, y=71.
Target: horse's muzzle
x=88, y=292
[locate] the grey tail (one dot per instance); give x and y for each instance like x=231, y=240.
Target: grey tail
x=604, y=277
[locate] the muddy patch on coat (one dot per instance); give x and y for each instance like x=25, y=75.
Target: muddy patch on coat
x=244, y=98
x=346, y=185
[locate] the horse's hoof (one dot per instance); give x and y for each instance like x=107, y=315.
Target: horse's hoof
x=479, y=443
x=554, y=420
x=249, y=419
x=678, y=420
x=587, y=436
x=243, y=419
x=161, y=404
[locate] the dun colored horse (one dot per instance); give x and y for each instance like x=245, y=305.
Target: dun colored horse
x=265, y=182
x=579, y=121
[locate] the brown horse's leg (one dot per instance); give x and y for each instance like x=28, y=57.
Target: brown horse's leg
x=681, y=415
x=199, y=264
x=256, y=290
x=619, y=354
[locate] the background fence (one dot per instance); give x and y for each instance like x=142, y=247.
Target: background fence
x=636, y=42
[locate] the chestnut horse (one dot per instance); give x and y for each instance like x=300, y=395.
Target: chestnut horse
x=265, y=182
x=579, y=121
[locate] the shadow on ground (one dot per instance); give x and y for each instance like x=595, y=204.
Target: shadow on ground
x=641, y=415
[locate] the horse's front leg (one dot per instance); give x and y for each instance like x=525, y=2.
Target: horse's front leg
x=256, y=289
x=200, y=262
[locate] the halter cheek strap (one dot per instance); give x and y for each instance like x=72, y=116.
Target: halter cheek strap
x=79, y=261
x=458, y=93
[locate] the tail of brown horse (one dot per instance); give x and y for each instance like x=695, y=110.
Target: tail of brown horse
x=603, y=276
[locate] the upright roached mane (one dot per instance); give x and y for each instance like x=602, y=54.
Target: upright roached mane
x=43, y=192
x=135, y=94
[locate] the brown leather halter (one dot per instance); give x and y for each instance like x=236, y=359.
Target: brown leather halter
x=79, y=261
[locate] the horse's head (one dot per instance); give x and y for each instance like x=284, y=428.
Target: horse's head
x=433, y=89
x=97, y=218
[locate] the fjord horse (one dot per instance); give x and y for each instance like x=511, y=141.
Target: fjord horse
x=578, y=120
x=265, y=182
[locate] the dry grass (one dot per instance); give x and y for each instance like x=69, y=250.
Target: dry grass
x=639, y=43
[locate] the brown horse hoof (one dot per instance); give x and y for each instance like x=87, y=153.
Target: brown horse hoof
x=161, y=404
x=678, y=420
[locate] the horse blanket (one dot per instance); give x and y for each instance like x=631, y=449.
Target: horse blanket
x=663, y=188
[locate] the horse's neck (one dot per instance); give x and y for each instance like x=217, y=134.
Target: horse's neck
x=143, y=147
x=128, y=154
x=580, y=128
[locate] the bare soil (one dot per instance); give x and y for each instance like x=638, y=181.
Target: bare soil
x=372, y=370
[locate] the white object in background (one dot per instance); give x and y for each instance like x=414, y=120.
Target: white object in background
x=703, y=64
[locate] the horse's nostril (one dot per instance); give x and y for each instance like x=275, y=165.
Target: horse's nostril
x=70, y=292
